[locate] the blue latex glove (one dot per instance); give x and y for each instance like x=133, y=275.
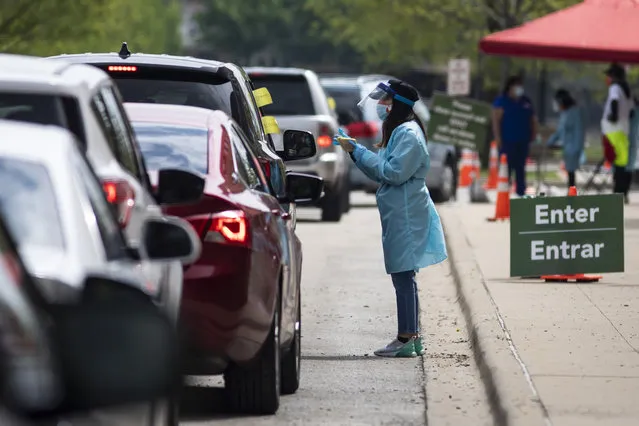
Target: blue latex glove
x=341, y=134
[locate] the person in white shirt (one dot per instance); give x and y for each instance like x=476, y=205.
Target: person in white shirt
x=615, y=127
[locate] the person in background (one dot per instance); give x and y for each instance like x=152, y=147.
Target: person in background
x=633, y=142
x=570, y=132
x=412, y=233
x=515, y=128
x=615, y=127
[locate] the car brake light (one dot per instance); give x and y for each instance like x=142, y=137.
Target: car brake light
x=362, y=129
x=229, y=227
x=120, y=194
x=325, y=138
x=125, y=68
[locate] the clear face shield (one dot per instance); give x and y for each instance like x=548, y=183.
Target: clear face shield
x=381, y=99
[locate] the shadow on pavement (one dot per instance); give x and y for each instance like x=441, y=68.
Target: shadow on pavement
x=203, y=403
x=370, y=357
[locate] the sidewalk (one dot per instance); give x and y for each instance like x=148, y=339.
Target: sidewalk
x=557, y=353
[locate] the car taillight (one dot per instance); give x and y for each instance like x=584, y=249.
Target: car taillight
x=120, y=194
x=325, y=138
x=124, y=68
x=362, y=129
x=228, y=227
x=267, y=169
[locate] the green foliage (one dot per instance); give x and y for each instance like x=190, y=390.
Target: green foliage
x=283, y=31
x=49, y=27
x=394, y=31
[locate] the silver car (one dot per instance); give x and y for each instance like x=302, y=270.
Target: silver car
x=366, y=127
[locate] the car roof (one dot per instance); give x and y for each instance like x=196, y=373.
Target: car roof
x=48, y=145
x=276, y=70
x=180, y=115
x=58, y=76
x=354, y=79
x=142, y=59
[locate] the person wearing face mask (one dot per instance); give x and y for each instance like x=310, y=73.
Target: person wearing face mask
x=412, y=234
x=615, y=127
x=570, y=132
x=514, y=128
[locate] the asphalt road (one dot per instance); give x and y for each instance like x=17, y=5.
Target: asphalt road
x=348, y=312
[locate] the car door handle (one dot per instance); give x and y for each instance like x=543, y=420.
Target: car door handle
x=278, y=212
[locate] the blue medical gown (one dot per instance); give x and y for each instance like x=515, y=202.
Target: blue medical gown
x=412, y=234
x=570, y=131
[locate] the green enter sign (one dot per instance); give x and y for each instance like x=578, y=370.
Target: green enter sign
x=566, y=235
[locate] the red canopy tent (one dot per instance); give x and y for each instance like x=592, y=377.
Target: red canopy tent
x=594, y=30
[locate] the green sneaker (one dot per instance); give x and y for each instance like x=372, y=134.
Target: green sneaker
x=419, y=347
x=397, y=349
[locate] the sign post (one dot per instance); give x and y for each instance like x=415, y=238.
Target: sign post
x=458, y=77
x=566, y=235
x=459, y=121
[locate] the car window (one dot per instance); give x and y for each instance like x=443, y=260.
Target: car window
x=122, y=143
x=243, y=164
x=291, y=94
x=202, y=89
x=110, y=232
x=28, y=203
x=346, y=99
x=241, y=139
x=172, y=146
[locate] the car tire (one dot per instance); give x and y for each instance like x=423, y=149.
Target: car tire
x=291, y=361
x=332, y=206
x=346, y=193
x=447, y=188
x=255, y=388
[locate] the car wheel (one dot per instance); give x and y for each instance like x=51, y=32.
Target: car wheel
x=291, y=361
x=332, y=208
x=346, y=193
x=255, y=388
x=447, y=186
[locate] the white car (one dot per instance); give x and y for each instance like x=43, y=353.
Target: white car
x=65, y=229
x=84, y=100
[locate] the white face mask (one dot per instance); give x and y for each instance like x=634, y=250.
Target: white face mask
x=555, y=106
x=519, y=91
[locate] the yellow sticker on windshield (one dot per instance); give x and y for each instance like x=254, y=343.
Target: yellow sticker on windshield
x=270, y=125
x=262, y=97
x=332, y=104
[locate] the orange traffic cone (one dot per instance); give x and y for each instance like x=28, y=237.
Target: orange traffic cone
x=493, y=172
x=466, y=168
x=580, y=278
x=502, y=207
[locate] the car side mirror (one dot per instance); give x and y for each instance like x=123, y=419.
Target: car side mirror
x=177, y=186
x=298, y=145
x=303, y=188
x=169, y=238
x=114, y=347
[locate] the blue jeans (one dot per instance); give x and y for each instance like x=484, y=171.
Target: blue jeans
x=407, y=302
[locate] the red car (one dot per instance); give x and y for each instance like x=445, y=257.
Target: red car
x=236, y=297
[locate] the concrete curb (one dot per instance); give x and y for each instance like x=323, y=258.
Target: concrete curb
x=507, y=388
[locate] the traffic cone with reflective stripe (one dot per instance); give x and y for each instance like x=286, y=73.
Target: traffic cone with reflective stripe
x=580, y=278
x=502, y=207
x=466, y=168
x=493, y=171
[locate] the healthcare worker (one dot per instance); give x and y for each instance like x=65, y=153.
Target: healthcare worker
x=412, y=234
x=515, y=128
x=615, y=127
x=570, y=132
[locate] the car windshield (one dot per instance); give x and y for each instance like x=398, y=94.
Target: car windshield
x=28, y=203
x=171, y=146
x=291, y=94
x=346, y=99
x=32, y=108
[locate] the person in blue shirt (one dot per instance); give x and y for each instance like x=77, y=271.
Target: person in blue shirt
x=412, y=234
x=570, y=132
x=514, y=127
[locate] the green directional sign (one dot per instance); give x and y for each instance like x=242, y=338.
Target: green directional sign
x=566, y=235
x=459, y=121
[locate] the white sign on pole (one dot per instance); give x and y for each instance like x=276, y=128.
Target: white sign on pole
x=458, y=77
